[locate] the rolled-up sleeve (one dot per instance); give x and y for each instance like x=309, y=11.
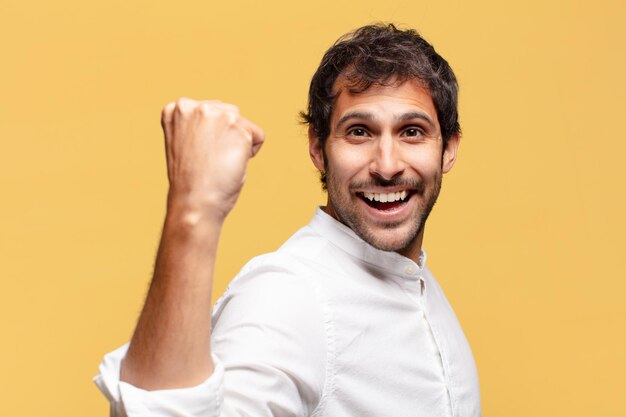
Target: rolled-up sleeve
x=126, y=400
x=269, y=350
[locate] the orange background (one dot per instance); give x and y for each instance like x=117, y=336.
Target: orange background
x=526, y=238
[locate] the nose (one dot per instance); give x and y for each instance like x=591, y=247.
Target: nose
x=387, y=162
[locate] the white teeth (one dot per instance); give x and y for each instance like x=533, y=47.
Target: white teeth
x=386, y=198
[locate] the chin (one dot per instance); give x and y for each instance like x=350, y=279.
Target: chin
x=390, y=238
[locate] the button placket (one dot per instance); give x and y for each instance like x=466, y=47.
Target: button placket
x=422, y=296
x=410, y=269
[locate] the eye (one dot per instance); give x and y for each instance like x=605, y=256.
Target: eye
x=413, y=132
x=358, y=131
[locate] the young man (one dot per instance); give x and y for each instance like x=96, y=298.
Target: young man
x=344, y=319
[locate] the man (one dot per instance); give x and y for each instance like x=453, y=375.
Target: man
x=344, y=319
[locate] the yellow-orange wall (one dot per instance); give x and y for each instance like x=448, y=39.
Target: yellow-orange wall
x=527, y=238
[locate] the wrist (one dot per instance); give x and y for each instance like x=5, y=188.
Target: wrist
x=186, y=214
x=196, y=209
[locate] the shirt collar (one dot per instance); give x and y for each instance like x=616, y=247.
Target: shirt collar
x=345, y=239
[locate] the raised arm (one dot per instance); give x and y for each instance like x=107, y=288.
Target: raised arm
x=208, y=145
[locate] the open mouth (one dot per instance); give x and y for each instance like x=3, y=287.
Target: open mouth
x=386, y=201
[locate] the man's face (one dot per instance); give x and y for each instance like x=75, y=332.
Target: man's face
x=384, y=160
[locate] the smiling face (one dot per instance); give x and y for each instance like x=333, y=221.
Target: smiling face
x=384, y=160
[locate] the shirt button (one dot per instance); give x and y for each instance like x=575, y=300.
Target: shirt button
x=410, y=269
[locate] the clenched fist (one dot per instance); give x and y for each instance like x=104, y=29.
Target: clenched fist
x=208, y=145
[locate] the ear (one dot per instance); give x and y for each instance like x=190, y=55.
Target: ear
x=450, y=152
x=315, y=150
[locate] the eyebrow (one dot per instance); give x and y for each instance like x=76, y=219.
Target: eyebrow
x=417, y=115
x=371, y=117
x=356, y=115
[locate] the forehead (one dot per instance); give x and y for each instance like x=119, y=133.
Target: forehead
x=392, y=99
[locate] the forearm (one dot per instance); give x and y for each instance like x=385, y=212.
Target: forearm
x=171, y=344
x=207, y=146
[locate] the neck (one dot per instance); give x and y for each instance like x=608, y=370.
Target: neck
x=414, y=249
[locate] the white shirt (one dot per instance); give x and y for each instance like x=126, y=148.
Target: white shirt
x=325, y=326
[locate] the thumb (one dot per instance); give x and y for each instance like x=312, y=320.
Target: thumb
x=257, y=137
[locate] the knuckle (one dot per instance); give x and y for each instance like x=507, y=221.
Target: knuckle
x=224, y=118
x=231, y=118
x=166, y=114
x=206, y=109
x=231, y=108
x=168, y=108
x=184, y=105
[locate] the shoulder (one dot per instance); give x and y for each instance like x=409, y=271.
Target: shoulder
x=288, y=271
x=274, y=287
x=280, y=294
x=270, y=328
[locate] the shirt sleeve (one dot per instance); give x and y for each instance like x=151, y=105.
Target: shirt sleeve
x=269, y=343
x=126, y=400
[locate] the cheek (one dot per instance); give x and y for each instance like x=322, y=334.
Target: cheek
x=346, y=162
x=426, y=162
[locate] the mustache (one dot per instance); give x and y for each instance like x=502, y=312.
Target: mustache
x=409, y=183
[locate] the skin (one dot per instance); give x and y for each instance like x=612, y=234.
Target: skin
x=208, y=145
x=386, y=139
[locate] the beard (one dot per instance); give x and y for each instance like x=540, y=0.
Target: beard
x=396, y=236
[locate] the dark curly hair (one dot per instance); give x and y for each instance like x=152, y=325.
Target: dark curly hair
x=382, y=54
